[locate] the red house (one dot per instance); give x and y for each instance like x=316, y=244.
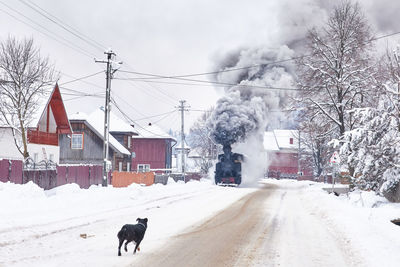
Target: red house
x=152, y=150
x=282, y=147
x=43, y=136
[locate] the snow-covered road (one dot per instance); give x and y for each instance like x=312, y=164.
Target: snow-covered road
x=274, y=226
x=287, y=223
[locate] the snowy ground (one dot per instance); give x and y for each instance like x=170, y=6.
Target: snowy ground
x=39, y=228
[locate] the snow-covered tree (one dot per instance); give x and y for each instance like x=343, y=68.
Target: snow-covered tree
x=373, y=148
x=335, y=76
x=24, y=77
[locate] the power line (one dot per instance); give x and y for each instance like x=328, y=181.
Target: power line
x=172, y=96
x=64, y=26
x=154, y=116
x=83, y=81
x=162, y=100
x=227, y=84
x=213, y=72
x=99, y=94
x=82, y=78
x=163, y=118
x=155, y=76
x=132, y=121
x=123, y=100
x=66, y=42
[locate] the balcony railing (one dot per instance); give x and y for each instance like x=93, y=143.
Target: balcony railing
x=36, y=137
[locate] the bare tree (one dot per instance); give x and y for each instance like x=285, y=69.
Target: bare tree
x=314, y=138
x=336, y=77
x=199, y=139
x=24, y=77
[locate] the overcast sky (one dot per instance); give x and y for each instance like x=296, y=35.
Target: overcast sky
x=163, y=37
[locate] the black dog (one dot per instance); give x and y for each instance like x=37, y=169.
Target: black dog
x=132, y=232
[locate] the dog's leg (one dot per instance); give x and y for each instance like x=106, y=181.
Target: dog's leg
x=119, y=246
x=126, y=245
x=136, y=247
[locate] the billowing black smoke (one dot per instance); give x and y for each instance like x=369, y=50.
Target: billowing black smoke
x=246, y=108
x=235, y=117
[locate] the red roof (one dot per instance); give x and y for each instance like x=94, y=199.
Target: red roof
x=53, y=121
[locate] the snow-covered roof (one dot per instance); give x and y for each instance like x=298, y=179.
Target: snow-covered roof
x=283, y=139
x=270, y=142
x=116, y=124
x=78, y=116
x=95, y=121
x=152, y=131
x=280, y=140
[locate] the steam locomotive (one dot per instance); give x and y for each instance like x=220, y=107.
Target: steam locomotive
x=228, y=170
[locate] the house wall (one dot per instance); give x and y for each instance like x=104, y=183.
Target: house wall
x=285, y=165
x=43, y=150
x=122, y=138
x=8, y=149
x=156, y=152
x=92, y=152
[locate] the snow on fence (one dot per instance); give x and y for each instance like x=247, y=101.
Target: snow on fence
x=83, y=175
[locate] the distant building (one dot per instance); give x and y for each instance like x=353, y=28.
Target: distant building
x=282, y=147
x=152, y=149
x=85, y=144
x=178, y=157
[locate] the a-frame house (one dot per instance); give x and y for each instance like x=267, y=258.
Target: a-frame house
x=43, y=136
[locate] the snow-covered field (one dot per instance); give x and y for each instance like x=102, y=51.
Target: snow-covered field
x=43, y=228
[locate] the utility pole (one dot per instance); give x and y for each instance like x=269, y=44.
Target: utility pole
x=182, y=109
x=298, y=159
x=109, y=72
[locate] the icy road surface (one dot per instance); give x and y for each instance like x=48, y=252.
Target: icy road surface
x=270, y=227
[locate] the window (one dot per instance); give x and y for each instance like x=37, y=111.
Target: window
x=77, y=141
x=129, y=142
x=291, y=141
x=143, y=167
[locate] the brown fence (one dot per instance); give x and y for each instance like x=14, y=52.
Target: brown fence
x=11, y=171
x=83, y=175
x=124, y=179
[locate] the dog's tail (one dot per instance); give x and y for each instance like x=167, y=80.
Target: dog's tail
x=122, y=233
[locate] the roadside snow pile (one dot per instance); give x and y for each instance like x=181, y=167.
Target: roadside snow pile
x=366, y=199
x=16, y=191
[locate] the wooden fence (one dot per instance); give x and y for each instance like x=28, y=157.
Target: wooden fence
x=83, y=175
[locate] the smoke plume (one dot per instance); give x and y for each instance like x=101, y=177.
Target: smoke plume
x=235, y=117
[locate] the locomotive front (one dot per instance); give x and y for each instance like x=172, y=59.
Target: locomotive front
x=228, y=170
